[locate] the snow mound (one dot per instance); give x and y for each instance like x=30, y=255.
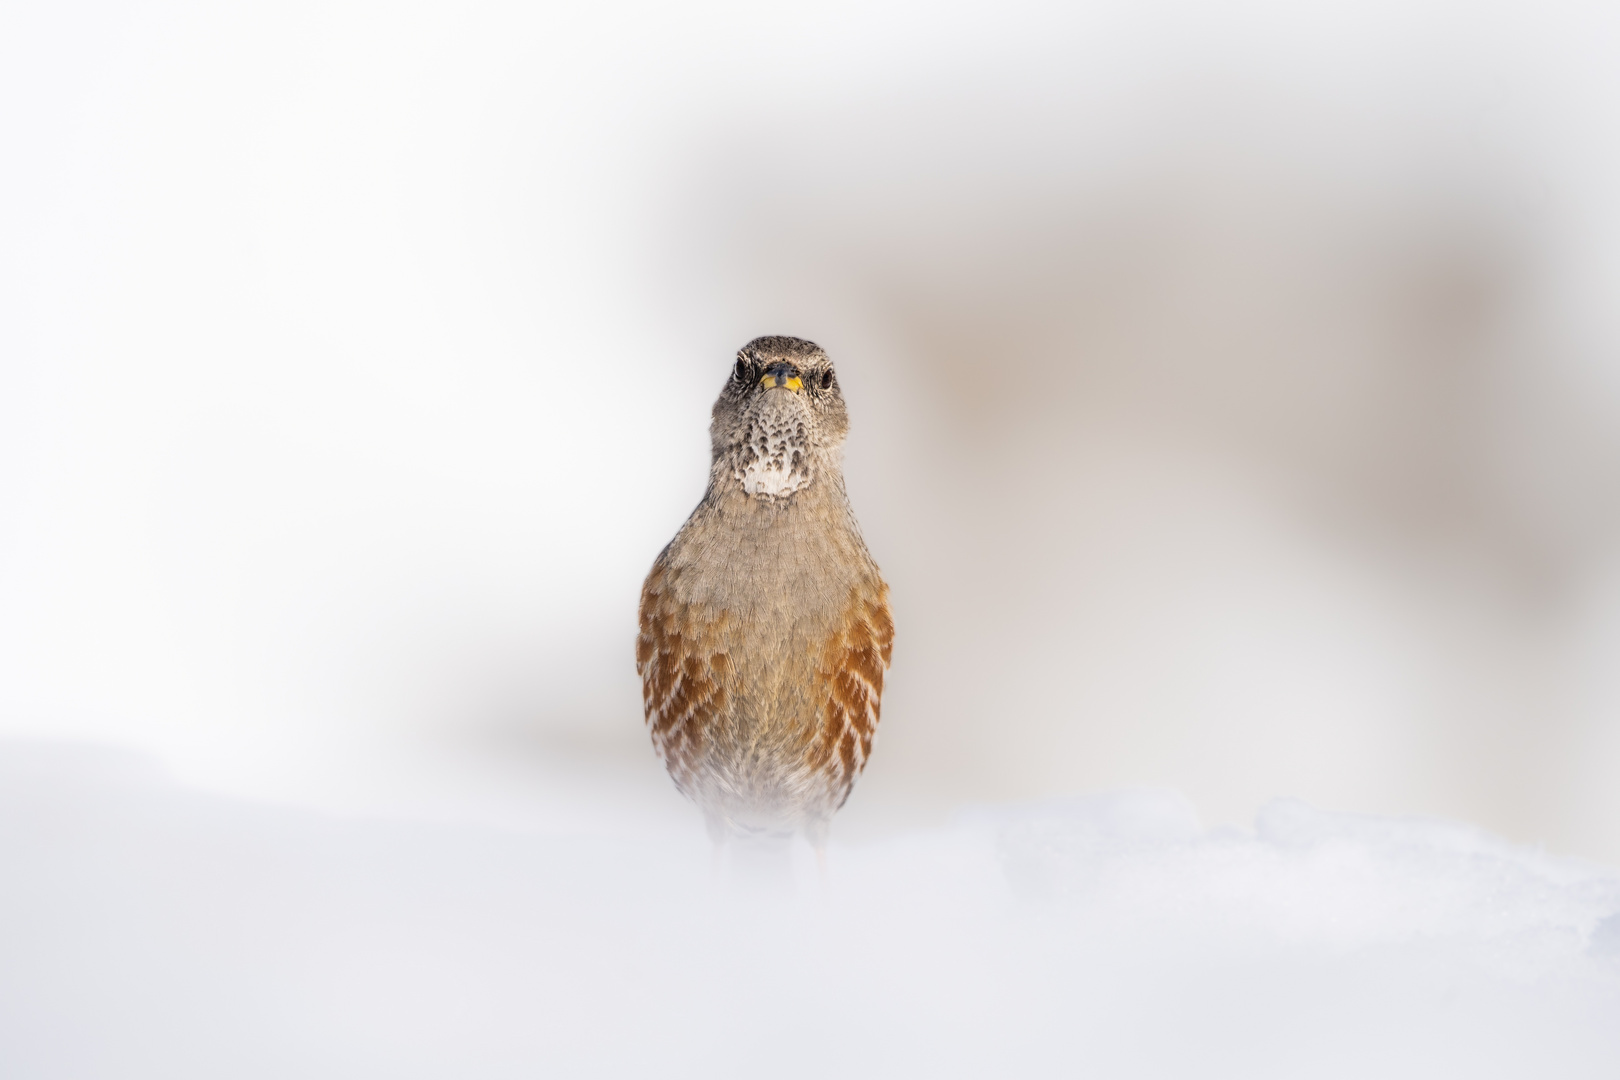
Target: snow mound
x=1306, y=876
x=149, y=931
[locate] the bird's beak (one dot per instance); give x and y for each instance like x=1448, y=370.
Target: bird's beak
x=781, y=375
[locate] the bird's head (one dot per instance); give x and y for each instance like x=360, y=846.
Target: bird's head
x=780, y=420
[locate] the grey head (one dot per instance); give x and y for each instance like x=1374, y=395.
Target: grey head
x=780, y=423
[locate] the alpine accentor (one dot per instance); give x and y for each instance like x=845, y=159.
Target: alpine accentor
x=765, y=627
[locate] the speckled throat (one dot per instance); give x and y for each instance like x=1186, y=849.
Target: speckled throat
x=775, y=457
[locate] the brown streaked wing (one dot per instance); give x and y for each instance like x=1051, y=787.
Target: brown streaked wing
x=681, y=674
x=852, y=667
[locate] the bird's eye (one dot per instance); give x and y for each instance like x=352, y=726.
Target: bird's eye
x=826, y=378
x=742, y=370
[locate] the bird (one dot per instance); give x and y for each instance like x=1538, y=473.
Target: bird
x=765, y=629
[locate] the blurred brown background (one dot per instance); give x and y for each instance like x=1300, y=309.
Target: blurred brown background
x=1237, y=453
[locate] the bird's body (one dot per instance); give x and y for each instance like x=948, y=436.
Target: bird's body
x=765, y=626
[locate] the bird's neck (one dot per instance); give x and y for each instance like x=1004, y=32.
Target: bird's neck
x=820, y=503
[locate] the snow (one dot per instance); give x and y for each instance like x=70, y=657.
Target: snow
x=155, y=931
